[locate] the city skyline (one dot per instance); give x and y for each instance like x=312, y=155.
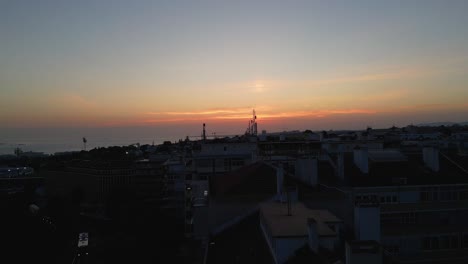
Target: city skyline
x=301, y=64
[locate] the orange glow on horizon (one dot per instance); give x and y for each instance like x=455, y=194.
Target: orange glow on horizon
x=236, y=115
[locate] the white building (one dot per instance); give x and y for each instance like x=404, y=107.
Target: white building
x=285, y=234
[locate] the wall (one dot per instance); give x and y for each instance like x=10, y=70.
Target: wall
x=367, y=223
x=329, y=243
x=409, y=196
x=306, y=171
x=286, y=247
x=362, y=258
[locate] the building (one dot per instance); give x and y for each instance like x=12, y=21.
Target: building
x=415, y=203
x=104, y=186
x=18, y=180
x=363, y=252
x=286, y=231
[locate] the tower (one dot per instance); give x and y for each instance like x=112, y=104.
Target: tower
x=252, y=126
x=254, y=123
x=204, y=132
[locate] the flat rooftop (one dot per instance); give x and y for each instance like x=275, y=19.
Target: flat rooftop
x=391, y=167
x=281, y=224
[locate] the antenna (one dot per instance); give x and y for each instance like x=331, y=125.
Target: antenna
x=255, y=123
x=289, y=201
x=252, y=126
x=204, y=132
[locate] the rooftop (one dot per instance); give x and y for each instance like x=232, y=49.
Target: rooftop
x=393, y=168
x=283, y=225
x=253, y=179
x=99, y=165
x=386, y=156
x=241, y=243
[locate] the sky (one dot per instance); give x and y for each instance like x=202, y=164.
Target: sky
x=173, y=65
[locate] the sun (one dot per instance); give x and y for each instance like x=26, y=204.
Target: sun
x=258, y=87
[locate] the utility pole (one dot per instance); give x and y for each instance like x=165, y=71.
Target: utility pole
x=84, y=143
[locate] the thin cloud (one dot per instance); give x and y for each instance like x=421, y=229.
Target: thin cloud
x=204, y=112
x=424, y=107
x=230, y=114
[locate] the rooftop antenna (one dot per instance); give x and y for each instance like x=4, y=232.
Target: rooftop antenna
x=84, y=143
x=254, y=127
x=204, y=132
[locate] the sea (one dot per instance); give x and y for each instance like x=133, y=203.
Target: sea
x=53, y=140
x=51, y=146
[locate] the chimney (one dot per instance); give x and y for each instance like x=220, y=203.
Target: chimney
x=367, y=221
x=279, y=181
x=361, y=159
x=313, y=234
x=431, y=158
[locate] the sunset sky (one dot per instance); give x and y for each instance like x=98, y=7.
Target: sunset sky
x=300, y=64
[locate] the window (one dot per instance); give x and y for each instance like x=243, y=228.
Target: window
x=237, y=162
x=204, y=163
x=434, y=243
x=398, y=218
x=444, y=242
x=450, y=193
x=227, y=165
x=464, y=194
x=388, y=199
x=429, y=194
x=448, y=242
x=424, y=196
x=393, y=250
x=454, y=241
x=465, y=241
x=430, y=243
